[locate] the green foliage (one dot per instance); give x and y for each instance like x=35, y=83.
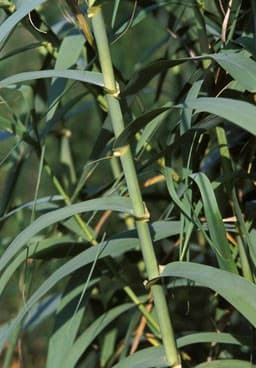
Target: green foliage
x=85, y=265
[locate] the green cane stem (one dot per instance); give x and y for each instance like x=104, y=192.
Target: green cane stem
x=129, y=170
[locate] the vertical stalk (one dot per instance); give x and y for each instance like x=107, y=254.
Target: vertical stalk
x=128, y=166
x=244, y=241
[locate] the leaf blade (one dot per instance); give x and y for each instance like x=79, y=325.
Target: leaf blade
x=234, y=288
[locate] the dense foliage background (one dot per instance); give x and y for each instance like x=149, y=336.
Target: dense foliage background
x=72, y=276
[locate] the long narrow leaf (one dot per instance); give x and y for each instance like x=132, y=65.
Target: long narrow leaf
x=159, y=230
x=146, y=358
x=112, y=203
x=82, y=343
x=227, y=363
x=238, y=112
x=237, y=64
x=215, y=223
x=235, y=289
x=112, y=248
x=79, y=75
x=21, y=12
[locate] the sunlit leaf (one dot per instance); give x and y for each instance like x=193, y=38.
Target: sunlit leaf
x=79, y=75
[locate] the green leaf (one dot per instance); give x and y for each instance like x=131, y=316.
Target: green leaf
x=42, y=311
x=209, y=337
x=241, y=68
x=238, y=112
x=42, y=204
x=99, y=204
x=86, y=338
x=145, y=358
x=8, y=120
x=49, y=247
x=115, y=10
x=215, y=223
x=141, y=15
x=68, y=319
x=227, y=363
x=69, y=52
x=79, y=75
x=154, y=357
x=235, y=289
x=131, y=129
x=21, y=12
x=186, y=116
x=111, y=248
x=237, y=64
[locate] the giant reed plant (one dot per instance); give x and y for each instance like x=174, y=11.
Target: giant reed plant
x=127, y=161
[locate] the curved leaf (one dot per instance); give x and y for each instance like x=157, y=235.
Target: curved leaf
x=240, y=67
x=237, y=64
x=227, y=363
x=238, y=112
x=68, y=318
x=159, y=230
x=111, y=248
x=155, y=357
x=99, y=204
x=11, y=21
x=209, y=337
x=79, y=75
x=87, y=337
x=235, y=289
x=145, y=358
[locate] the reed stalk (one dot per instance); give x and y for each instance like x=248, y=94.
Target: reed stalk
x=141, y=213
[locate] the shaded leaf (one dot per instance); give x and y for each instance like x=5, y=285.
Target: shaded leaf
x=227, y=363
x=235, y=289
x=112, y=203
x=215, y=223
x=238, y=112
x=87, y=337
x=145, y=358
x=237, y=64
x=131, y=129
x=25, y=8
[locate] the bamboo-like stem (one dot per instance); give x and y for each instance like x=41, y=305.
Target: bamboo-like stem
x=128, y=166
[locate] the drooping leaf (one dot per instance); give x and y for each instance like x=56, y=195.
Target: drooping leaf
x=127, y=240
x=113, y=203
x=209, y=337
x=227, y=363
x=25, y=8
x=237, y=64
x=108, y=248
x=240, y=113
x=79, y=75
x=145, y=358
x=241, y=67
x=235, y=289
